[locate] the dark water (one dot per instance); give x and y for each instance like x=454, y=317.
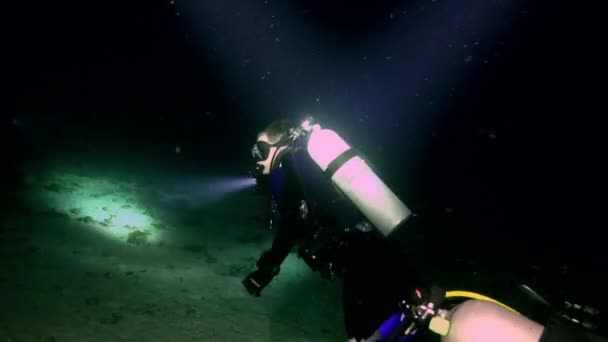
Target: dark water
x=500, y=157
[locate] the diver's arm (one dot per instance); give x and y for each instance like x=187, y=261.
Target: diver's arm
x=269, y=264
x=291, y=224
x=283, y=243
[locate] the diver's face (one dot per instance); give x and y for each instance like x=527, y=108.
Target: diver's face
x=266, y=155
x=270, y=162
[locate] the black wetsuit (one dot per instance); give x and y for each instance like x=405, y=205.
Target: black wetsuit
x=320, y=222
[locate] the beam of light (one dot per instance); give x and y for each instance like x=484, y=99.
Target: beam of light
x=241, y=37
x=387, y=80
x=230, y=185
x=200, y=191
x=107, y=207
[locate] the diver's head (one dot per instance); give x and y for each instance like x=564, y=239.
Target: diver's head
x=271, y=146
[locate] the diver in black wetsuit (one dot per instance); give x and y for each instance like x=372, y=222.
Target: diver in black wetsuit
x=329, y=232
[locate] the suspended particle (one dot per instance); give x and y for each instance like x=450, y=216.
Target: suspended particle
x=468, y=59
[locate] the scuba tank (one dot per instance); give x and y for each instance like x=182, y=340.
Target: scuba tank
x=355, y=179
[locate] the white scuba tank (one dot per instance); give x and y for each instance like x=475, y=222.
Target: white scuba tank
x=356, y=180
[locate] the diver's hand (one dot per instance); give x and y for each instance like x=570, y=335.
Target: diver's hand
x=257, y=280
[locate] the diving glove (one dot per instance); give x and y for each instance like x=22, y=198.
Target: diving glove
x=257, y=280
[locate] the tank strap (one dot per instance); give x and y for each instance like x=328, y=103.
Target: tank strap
x=339, y=161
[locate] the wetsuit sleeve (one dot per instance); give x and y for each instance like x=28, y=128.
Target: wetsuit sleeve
x=291, y=226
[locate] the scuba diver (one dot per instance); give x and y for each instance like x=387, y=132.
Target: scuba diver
x=342, y=217
x=328, y=203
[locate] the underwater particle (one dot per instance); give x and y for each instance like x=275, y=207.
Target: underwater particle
x=489, y=133
x=172, y=2
x=277, y=39
x=391, y=15
x=178, y=150
x=177, y=14
x=449, y=210
x=138, y=237
x=318, y=100
x=485, y=61
x=388, y=58
x=75, y=211
x=265, y=75
x=468, y=59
